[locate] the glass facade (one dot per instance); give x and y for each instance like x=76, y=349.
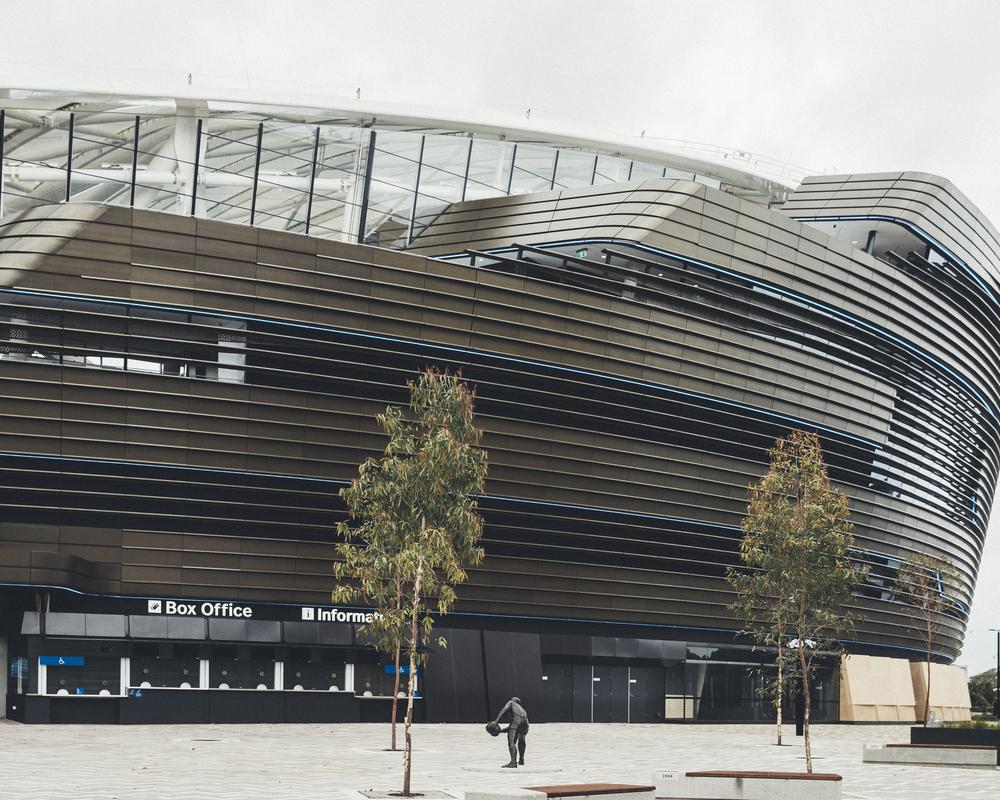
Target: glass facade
x=328, y=180
x=710, y=683
x=95, y=676
x=229, y=668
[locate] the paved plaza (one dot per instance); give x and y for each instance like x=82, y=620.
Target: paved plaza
x=316, y=762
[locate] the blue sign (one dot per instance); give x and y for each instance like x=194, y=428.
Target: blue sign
x=79, y=690
x=62, y=661
x=404, y=669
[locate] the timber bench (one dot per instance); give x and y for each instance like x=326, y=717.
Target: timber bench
x=969, y=756
x=747, y=785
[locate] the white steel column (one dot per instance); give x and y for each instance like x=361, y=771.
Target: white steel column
x=185, y=147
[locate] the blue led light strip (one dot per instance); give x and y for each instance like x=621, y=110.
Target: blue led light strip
x=464, y=351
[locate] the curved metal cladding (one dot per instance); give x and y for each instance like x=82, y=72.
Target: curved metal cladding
x=185, y=397
x=891, y=356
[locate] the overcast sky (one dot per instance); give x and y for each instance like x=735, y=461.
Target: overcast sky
x=842, y=85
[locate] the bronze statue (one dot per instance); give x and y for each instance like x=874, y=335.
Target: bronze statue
x=516, y=731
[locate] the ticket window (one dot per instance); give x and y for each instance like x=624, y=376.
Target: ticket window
x=238, y=667
x=305, y=670
x=378, y=680
x=156, y=667
x=77, y=676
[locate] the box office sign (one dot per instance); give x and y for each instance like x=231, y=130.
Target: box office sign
x=180, y=608
x=231, y=610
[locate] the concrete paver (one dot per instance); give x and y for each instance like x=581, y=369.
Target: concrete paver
x=335, y=762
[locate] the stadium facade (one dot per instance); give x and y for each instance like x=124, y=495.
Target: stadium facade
x=205, y=304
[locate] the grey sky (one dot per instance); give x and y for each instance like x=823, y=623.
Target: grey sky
x=839, y=85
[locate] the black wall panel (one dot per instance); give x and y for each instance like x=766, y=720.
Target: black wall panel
x=454, y=682
x=176, y=707
x=513, y=669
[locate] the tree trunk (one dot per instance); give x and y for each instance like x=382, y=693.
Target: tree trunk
x=780, y=696
x=408, y=741
x=395, y=688
x=927, y=699
x=804, y=665
x=395, y=695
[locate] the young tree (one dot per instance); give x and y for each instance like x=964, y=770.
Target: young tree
x=420, y=527
x=766, y=609
x=367, y=559
x=920, y=584
x=797, y=550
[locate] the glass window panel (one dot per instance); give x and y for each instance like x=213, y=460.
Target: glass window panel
x=679, y=174
x=283, y=184
x=442, y=177
x=343, y=155
x=155, y=186
x=228, y=157
x=489, y=170
x=533, y=169
x=394, y=177
x=303, y=673
x=228, y=671
x=643, y=172
x=38, y=162
x=378, y=680
x=611, y=170
x=102, y=158
x=176, y=673
x=574, y=169
x=97, y=676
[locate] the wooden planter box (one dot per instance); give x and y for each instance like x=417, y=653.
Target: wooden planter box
x=976, y=736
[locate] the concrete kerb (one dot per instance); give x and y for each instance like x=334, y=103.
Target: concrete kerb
x=962, y=756
x=505, y=794
x=567, y=792
x=679, y=785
